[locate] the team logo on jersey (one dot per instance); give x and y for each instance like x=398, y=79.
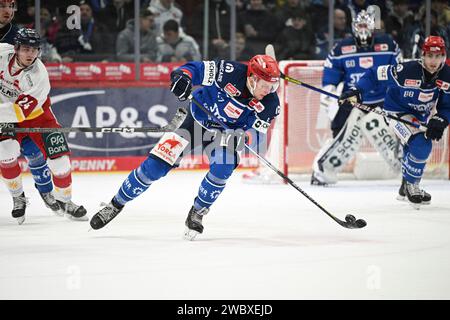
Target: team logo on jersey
x=425, y=97
x=350, y=63
x=348, y=49
x=229, y=68
x=412, y=83
x=399, y=67
x=261, y=126
x=232, y=111
x=366, y=62
x=256, y=105
x=382, y=72
x=381, y=47
x=442, y=85
x=232, y=90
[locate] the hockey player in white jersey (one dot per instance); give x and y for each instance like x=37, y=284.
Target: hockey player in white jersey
x=346, y=63
x=25, y=103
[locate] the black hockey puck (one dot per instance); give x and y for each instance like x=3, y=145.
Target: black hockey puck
x=350, y=218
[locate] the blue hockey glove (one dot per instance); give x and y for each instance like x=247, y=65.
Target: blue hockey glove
x=181, y=85
x=436, y=126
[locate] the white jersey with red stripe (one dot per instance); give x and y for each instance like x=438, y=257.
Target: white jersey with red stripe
x=23, y=92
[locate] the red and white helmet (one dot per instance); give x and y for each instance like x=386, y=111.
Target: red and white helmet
x=434, y=44
x=265, y=68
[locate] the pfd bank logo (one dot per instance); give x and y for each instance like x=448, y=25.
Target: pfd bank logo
x=80, y=113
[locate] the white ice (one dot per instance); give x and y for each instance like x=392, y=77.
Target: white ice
x=260, y=242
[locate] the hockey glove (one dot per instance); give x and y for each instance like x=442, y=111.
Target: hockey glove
x=181, y=85
x=348, y=98
x=436, y=126
x=7, y=135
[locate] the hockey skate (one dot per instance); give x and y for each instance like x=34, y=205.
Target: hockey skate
x=193, y=223
x=320, y=177
x=426, y=197
x=105, y=215
x=72, y=211
x=51, y=203
x=19, y=206
x=413, y=194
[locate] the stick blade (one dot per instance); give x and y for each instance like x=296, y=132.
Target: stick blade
x=270, y=51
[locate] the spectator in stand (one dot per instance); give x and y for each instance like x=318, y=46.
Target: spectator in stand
x=399, y=23
x=296, y=41
x=50, y=22
x=341, y=31
x=91, y=43
x=48, y=52
x=419, y=35
x=125, y=39
x=288, y=10
x=176, y=47
x=258, y=25
x=443, y=9
x=219, y=28
x=116, y=15
x=243, y=52
x=165, y=10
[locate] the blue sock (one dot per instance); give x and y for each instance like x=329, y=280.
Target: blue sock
x=140, y=179
x=210, y=188
x=416, y=154
x=40, y=171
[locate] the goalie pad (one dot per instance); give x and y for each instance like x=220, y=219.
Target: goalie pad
x=382, y=138
x=330, y=104
x=336, y=153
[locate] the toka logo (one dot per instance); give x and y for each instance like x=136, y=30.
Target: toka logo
x=232, y=111
x=381, y=47
x=425, y=97
x=348, y=49
x=366, y=62
x=442, y=85
x=413, y=83
x=256, y=105
x=232, y=90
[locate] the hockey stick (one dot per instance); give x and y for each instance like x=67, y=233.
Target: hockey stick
x=174, y=124
x=356, y=104
x=350, y=221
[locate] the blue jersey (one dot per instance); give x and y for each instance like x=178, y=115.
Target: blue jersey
x=407, y=90
x=225, y=95
x=348, y=62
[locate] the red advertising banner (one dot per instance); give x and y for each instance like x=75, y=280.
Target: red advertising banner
x=94, y=71
x=110, y=71
x=116, y=164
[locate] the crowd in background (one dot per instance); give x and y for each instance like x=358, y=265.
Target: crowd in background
x=172, y=31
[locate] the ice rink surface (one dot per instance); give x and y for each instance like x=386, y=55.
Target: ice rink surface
x=260, y=242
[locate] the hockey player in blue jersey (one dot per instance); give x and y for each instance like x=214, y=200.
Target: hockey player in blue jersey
x=243, y=97
x=418, y=91
x=346, y=63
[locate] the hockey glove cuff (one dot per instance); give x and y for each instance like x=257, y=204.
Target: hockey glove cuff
x=181, y=85
x=436, y=126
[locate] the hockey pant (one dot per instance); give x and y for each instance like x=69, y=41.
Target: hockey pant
x=416, y=148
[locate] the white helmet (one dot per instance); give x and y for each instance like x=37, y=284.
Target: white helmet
x=363, y=27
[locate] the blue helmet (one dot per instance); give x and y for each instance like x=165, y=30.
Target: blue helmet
x=28, y=37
